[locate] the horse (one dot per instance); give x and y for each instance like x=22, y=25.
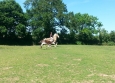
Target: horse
x=50, y=41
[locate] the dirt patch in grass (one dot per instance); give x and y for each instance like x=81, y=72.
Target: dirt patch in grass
x=6, y=68
x=9, y=79
x=77, y=59
x=112, y=77
x=91, y=75
x=42, y=65
x=85, y=81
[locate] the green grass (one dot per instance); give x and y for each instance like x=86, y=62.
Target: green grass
x=63, y=64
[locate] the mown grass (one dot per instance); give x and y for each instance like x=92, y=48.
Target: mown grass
x=63, y=64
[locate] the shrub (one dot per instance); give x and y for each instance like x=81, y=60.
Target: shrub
x=111, y=43
x=78, y=42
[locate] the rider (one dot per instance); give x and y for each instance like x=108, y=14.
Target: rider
x=51, y=38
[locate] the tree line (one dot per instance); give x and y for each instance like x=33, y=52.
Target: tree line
x=45, y=16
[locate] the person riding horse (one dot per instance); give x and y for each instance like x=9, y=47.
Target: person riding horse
x=51, y=40
x=51, y=37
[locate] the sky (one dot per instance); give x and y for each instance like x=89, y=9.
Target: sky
x=104, y=10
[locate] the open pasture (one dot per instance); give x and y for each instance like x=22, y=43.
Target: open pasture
x=63, y=64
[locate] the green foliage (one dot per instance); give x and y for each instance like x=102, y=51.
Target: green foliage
x=85, y=35
x=84, y=25
x=72, y=22
x=80, y=21
x=38, y=35
x=3, y=29
x=78, y=42
x=12, y=19
x=20, y=30
x=112, y=36
x=103, y=36
x=111, y=43
x=46, y=14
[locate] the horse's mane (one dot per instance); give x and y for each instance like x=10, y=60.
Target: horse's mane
x=55, y=36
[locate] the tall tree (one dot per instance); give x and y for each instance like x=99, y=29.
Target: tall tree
x=82, y=25
x=12, y=19
x=103, y=35
x=45, y=15
x=87, y=21
x=112, y=36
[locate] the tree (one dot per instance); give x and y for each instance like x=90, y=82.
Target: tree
x=12, y=19
x=71, y=23
x=103, y=35
x=45, y=15
x=83, y=26
x=112, y=36
x=87, y=21
x=86, y=36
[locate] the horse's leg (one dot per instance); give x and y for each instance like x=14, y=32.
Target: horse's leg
x=41, y=45
x=55, y=44
x=49, y=45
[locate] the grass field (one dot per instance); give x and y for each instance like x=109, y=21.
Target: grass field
x=63, y=64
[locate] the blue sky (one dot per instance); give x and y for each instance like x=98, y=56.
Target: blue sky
x=104, y=10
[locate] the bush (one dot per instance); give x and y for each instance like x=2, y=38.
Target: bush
x=111, y=43
x=78, y=42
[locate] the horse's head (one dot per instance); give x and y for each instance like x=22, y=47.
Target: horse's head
x=56, y=35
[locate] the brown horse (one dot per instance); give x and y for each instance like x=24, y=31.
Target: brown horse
x=49, y=41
